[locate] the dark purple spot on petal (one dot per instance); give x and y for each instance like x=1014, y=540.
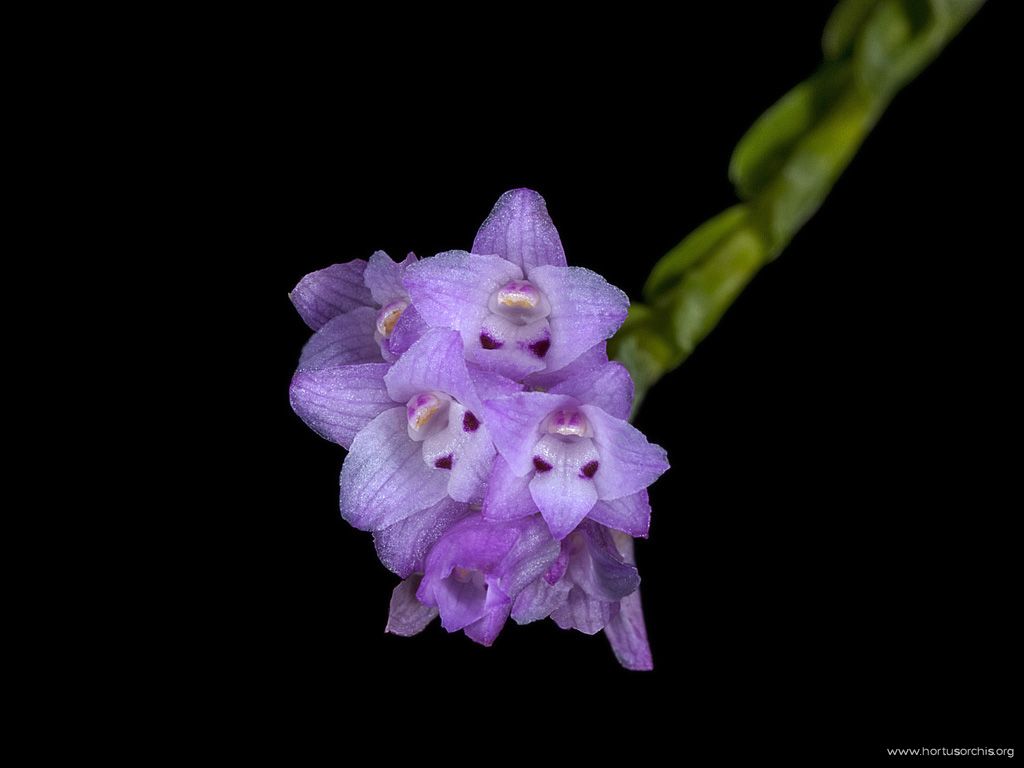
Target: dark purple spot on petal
x=470, y=423
x=540, y=348
x=489, y=342
x=445, y=462
x=540, y=465
x=589, y=469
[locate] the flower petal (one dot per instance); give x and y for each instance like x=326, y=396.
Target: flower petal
x=383, y=277
x=598, y=568
x=609, y=387
x=343, y=340
x=595, y=357
x=451, y=290
x=584, y=613
x=627, y=632
x=631, y=514
x=330, y=292
x=408, y=330
x=519, y=229
x=337, y=402
x=435, y=362
x=461, y=602
x=563, y=493
x=407, y=616
x=508, y=495
x=514, y=423
x=628, y=462
x=628, y=635
x=539, y=599
x=403, y=545
x=486, y=630
x=384, y=479
x=585, y=310
x=532, y=554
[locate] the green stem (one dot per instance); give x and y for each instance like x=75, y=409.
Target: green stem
x=783, y=168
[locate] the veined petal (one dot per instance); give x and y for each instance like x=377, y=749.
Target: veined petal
x=519, y=229
x=530, y=557
x=585, y=310
x=563, y=492
x=485, y=631
x=628, y=462
x=539, y=599
x=383, y=277
x=407, y=616
x=609, y=387
x=384, y=479
x=408, y=330
x=451, y=290
x=630, y=514
x=599, y=569
x=584, y=613
x=514, y=423
x=330, y=292
x=435, y=362
x=627, y=634
x=337, y=402
x=543, y=381
x=403, y=545
x=508, y=495
x=343, y=340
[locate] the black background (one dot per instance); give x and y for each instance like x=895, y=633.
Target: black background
x=830, y=557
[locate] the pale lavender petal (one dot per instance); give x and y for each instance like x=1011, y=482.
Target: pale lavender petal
x=435, y=362
x=486, y=630
x=408, y=330
x=330, y=292
x=461, y=601
x=490, y=385
x=519, y=229
x=384, y=479
x=628, y=635
x=508, y=495
x=608, y=386
x=337, y=402
x=472, y=543
x=585, y=310
x=631, y=514
x=539, y=599
x=562, y=490
x=628, y=462
x=584, y=613
x=593, y=358
x=344, y=340
x=627, y=632
x=384, y=277
x=451, y=290
x=533, y=553
x=407, y=616
x=514, y=423
x=402, y=546
x=598, y=568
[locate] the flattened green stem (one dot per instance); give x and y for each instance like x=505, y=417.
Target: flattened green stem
x=783, y=168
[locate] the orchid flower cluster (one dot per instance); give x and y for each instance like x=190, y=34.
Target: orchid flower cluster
x=488, y=445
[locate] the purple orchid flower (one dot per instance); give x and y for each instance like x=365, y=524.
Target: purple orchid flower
x=569, y=452
x=359, y=310
x=477, y=569
x=519, y=308
x=489, y=451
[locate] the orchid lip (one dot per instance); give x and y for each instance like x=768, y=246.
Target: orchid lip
x=388, y=317
x=427, y=414
x=519, y=301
